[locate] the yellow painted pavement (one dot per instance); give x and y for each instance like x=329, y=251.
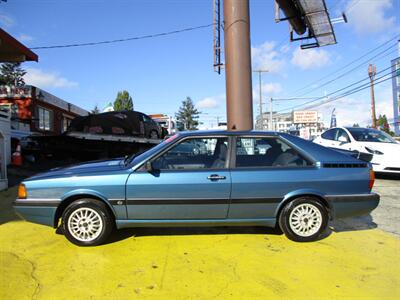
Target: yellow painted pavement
x=36, y=263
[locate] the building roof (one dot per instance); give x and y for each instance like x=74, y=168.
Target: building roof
x=12, y=50
x=44, y=96
x=28, y=91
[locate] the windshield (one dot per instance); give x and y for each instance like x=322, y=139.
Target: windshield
x=137, y=159
x=370, y=135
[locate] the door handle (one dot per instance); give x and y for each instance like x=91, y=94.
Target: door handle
x=215, y=177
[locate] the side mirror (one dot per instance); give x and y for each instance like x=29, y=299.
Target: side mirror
x=149, y=166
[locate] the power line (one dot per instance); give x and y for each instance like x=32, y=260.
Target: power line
x=351, y=70
x=355, y=91
x=349, y=93
x=355, y=2
x=148, y=36
x=348, y=64
x=294, y=98
x=341, y=89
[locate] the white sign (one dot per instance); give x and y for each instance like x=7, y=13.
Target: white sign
x=305, y=116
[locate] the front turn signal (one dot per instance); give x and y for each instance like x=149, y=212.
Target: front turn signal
x=371, y=179
x=22, y=191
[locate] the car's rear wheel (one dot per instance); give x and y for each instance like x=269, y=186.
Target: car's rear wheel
x=304, y=219
x=87, y=222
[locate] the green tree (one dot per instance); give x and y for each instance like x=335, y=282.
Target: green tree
x=123, y=101
x=383, y=123
x=356, y=125
x=188, y=115
x=95, y=110
x=12, y=74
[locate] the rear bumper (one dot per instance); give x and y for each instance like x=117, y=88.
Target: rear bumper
x=352, y=205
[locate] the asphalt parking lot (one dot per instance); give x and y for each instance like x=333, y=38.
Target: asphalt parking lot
x=358, y=259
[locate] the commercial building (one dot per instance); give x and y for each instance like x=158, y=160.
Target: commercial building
x=11, y=50
x=396, y=95
x=291, y=122
x=35, y=110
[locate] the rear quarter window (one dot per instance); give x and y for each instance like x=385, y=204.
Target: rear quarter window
x=267, y=152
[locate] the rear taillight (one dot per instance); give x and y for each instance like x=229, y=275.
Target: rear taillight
x=371, y=179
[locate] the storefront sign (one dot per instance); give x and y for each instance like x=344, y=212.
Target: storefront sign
x=305, y=116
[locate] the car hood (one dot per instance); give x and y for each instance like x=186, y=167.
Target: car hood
x=82, y=169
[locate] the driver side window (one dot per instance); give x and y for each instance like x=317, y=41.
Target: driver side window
x=194, y=154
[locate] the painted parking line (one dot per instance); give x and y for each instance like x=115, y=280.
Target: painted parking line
x=198, y=264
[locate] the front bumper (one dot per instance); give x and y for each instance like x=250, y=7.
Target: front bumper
x=381, y=166
x=37, y=211
x=384, y=169
x=344, y=206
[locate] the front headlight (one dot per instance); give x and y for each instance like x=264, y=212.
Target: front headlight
x=373, y=151
x=22, y=191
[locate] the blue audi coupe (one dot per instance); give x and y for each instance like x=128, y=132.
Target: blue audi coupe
x=204, y=178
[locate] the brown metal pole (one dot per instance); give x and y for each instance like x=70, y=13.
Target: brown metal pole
x=239, y=98
x=372, y=73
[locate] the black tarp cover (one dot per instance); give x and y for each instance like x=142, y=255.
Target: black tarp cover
x=115, y=122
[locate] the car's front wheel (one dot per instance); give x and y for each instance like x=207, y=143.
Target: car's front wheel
x=304, y=219
x=87, y=222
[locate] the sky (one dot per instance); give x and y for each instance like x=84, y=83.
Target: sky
x=161, y=72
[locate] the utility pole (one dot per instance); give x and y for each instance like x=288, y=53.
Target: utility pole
x=239, y=98
x=372, y=73
x=270, y=115
x=260, y=84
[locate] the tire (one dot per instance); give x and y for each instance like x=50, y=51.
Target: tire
x=153, y=134
x=82, y=230
x=304, y=219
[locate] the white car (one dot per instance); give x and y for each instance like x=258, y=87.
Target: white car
x=385, y=149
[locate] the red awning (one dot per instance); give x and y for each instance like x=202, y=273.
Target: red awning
x=12, y=50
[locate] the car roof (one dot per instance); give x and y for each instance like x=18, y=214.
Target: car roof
x=360, y=128
x=225, y=132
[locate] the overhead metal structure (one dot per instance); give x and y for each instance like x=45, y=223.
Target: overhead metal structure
x=217, y=36
x=309, y=20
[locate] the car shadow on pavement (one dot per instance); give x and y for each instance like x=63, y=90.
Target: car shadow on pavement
x=126, y=233
x=364, y=222
x=341, y=225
